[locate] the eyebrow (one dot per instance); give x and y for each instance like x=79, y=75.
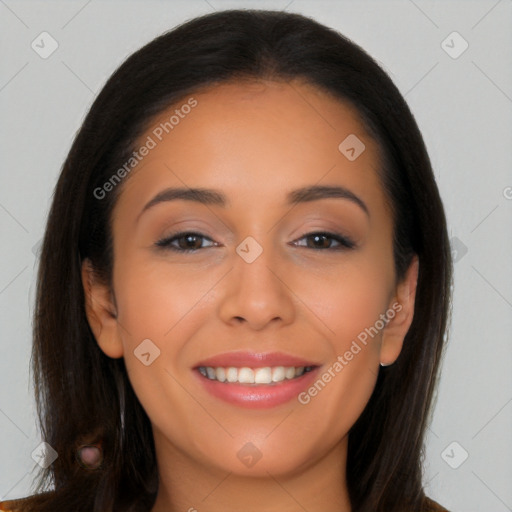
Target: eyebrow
x=214, y=197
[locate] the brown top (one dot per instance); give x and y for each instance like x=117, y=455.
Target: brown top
x=5, y=506
x=435, y=507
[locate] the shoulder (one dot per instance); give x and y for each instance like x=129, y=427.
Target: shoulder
x=433, y=506
x=5, y=506
x=17, y=505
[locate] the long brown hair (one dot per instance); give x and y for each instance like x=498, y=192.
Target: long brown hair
x=85, y=397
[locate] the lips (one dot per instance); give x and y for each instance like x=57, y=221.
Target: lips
x=255, y=360
x=242, y=378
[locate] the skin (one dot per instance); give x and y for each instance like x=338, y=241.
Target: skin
x=254, y=142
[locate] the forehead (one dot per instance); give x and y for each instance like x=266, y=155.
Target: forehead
x=255, y=139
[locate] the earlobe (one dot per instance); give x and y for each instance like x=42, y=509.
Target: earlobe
x=400, y=315
x=100, y=312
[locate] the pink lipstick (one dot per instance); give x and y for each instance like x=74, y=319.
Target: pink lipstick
x=256, y=380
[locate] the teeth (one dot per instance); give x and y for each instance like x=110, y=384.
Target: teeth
x=289, y=372
x=231, y=374
x=220, y=374
x=278, y=374
x=263, y=375
x=245, y=375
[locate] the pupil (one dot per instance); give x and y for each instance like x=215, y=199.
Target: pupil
x=190, y=241
x=317, y=237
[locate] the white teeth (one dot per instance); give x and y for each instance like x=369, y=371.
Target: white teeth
x=231, y=374
x=220, y=374
x=289, y=372
x=278, y=374
x=263, y=375
x=245, y=375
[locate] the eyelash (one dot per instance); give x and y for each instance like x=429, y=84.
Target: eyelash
x=344, y=241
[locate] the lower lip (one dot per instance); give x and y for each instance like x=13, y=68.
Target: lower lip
x=259, y=396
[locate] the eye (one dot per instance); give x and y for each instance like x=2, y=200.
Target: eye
x=323, y=240
x=187, y=241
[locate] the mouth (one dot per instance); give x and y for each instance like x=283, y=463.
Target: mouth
x=255, y=380
x=268, y=375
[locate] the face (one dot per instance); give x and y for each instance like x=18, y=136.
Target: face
x=253, y=275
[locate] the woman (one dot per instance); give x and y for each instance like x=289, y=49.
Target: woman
x=244, y=282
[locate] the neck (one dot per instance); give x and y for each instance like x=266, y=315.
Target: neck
x=187, y=485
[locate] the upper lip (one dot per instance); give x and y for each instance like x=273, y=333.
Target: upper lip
x=254, y=360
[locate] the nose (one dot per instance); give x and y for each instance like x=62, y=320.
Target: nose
x=257, y=293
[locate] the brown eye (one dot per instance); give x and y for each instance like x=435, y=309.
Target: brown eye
x=321, y=240
x=183, y=242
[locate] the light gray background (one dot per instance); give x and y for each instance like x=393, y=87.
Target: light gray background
x=463, y=107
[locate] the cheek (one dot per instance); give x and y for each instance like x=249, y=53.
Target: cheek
x=335, y=401
x=158, y=311
x=154, y=299
x=351, y=308
x=348, y=303
x=166, y=305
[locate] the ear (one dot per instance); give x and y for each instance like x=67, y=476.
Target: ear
x=400, y=315
x=101, y=312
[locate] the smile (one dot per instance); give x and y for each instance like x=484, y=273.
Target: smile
x=270, y=375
